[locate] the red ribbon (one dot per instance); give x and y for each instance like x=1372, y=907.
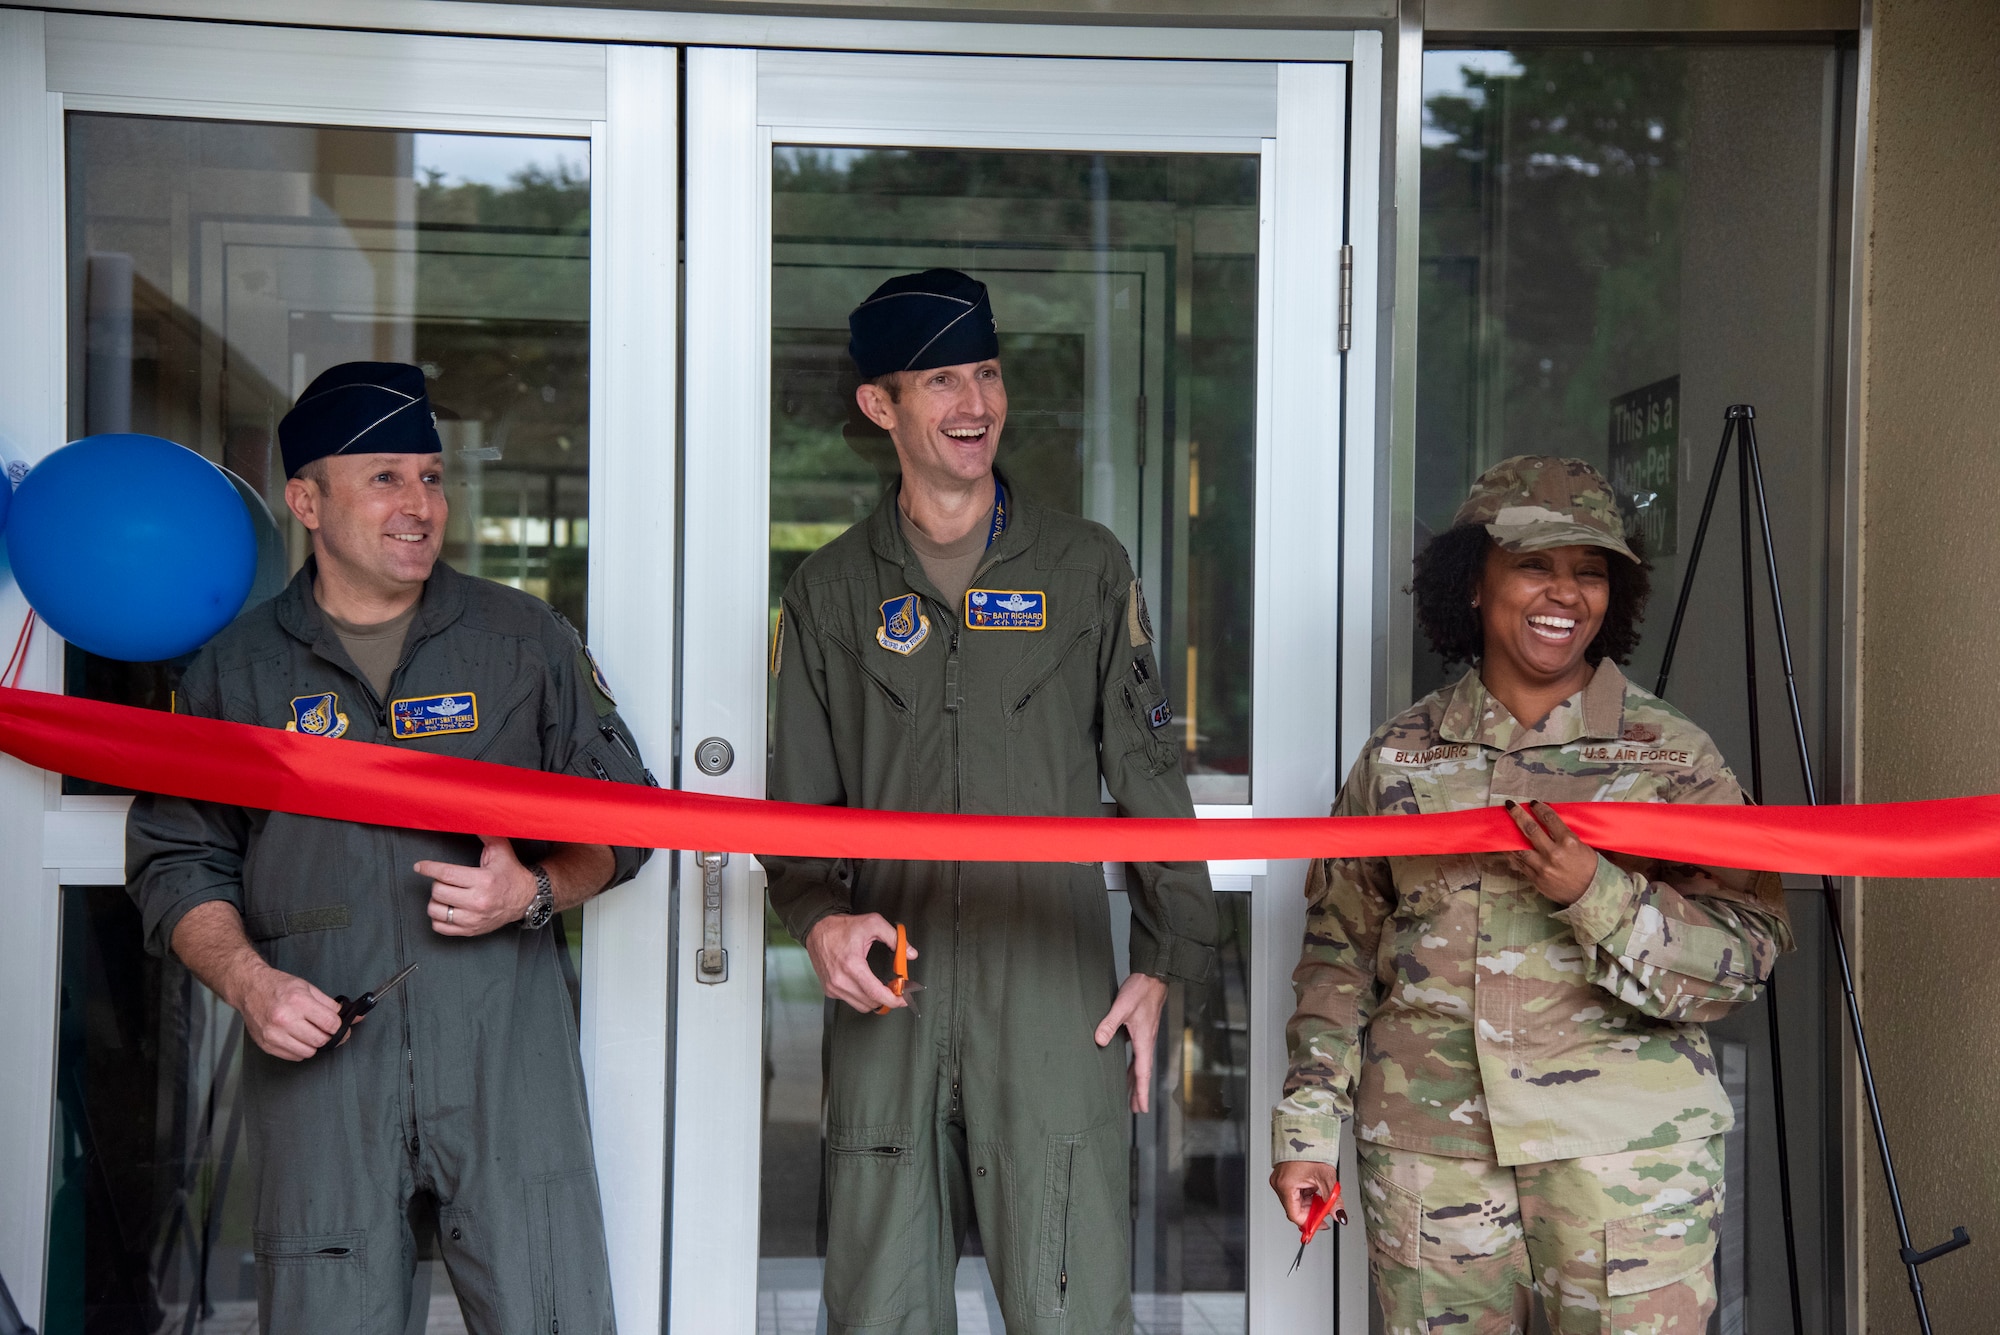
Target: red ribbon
x=240, y=765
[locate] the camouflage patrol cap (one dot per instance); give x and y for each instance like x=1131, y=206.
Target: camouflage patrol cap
x=1533, y=502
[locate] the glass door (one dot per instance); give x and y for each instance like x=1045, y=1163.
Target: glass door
x=1162, y=244
x=219, y=247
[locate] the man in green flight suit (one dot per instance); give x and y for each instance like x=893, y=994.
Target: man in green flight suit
x=964, y=650
x=461, y=1096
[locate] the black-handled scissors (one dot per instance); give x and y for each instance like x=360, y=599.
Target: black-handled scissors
x=350, y=1011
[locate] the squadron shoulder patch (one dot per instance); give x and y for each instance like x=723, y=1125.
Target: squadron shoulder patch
x=317, y=715
x=597, y=678
x=1138, y=626
x=904, y=625
x=1006, y=609
x=430, y=715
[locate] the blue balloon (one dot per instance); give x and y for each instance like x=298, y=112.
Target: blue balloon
x=131, y=546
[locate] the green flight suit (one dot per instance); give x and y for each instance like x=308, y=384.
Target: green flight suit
x=465, y=1084
x=996, y=1103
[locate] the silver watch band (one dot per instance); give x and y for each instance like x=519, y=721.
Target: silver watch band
x=543, y=906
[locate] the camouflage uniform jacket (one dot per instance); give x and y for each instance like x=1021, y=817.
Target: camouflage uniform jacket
x=1478, y=1017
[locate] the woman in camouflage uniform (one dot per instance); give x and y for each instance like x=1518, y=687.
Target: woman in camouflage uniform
x=1520, y=1034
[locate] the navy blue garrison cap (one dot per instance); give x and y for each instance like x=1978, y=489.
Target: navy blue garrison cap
x=919, y=321
x=359, y=408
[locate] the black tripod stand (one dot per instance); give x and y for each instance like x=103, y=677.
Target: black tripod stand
x=1739, y=423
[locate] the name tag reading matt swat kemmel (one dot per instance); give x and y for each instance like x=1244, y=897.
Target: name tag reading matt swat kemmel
x=1006, y=609
x=430, y=715
x=1628, y=753
x=1429, y=755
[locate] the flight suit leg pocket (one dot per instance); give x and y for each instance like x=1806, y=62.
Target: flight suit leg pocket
x=567, y=1258
x=312, y=1281
x=1649, y=1251
x=1084, y=1240
x=874, y=1228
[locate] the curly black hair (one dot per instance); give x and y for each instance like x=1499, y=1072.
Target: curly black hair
x=1448, y=570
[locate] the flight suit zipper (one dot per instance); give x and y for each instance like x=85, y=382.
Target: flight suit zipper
x=1062, y=1254
x=381, y=711
x=409, y=1039
x=951, y=706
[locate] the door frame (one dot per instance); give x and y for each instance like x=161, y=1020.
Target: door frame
x=1315, y=128
x=623, y=101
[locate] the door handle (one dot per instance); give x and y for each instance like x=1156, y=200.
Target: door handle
x=711, y=962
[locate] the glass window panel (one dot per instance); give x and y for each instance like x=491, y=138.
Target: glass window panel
x=1125, y=290
x=215, y=269
x=1615, y=244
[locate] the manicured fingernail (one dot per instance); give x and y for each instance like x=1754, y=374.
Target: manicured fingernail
x=1511, y=804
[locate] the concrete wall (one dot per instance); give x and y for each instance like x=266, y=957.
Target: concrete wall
x=1930, y=634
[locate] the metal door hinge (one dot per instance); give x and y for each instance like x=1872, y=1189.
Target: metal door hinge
x=711, y=962
x=1346, y=297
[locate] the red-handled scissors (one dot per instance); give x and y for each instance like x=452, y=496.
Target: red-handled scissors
x=1316, y=1214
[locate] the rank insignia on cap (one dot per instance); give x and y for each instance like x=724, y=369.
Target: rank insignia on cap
x=317, y=716
x=904, y=625
x=429, y=715
x=1006, y=609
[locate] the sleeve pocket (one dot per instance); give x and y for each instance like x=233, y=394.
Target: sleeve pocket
x=1646, y=1251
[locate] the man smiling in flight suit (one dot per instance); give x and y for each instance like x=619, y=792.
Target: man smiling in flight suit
x=964, y=650
x=463, y=1092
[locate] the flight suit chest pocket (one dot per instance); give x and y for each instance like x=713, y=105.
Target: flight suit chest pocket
x=1037, y=683
x=873, y=1254
x=1443, y=777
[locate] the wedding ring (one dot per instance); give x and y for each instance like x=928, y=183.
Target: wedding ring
x=447, y=913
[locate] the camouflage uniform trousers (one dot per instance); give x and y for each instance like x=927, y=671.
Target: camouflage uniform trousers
x=1622, y=1244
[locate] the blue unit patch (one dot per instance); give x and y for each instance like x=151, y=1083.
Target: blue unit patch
x=904, y=625
x=1160, y=715
x=317, y=715
x=430, y=715
x=1006, y=609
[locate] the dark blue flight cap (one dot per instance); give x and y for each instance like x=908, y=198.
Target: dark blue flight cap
x=920, y=321
x=360, y=408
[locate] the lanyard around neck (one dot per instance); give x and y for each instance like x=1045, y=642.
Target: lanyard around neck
x=999, y=513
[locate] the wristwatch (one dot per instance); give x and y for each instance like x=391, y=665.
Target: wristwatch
x=543, y=906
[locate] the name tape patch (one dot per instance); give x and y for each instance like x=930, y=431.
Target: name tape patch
x=317, y=715
x=904, y=626
x=1006, y=609
x=1625, y=753
x=429, y=715
x=1430, y=755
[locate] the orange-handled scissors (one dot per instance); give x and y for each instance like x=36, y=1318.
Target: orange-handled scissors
x=1316, y=1215
x=901, y=984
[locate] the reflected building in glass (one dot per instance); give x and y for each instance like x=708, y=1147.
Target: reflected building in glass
x=215, y=269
